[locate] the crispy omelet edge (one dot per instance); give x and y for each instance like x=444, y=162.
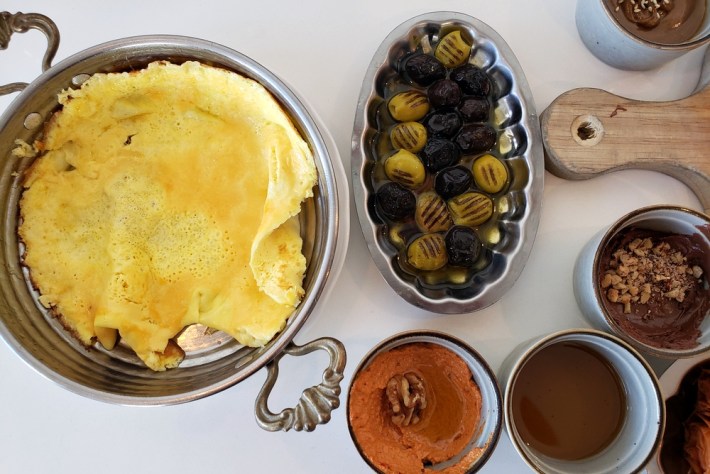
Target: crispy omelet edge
x=38, y=148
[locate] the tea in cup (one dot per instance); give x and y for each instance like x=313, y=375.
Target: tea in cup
x=582, y=401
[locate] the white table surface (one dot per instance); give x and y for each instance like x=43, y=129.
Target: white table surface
x=322, y=48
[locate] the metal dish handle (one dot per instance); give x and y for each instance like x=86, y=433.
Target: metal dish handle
x=21, y=23
x=316, y=403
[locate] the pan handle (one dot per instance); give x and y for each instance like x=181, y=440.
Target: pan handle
x=316, y=403
x=20, y=23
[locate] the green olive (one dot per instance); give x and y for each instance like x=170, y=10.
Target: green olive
x=408, y=106
x=410, y=136
x=453, y=50
x=490, y=174
x=405, y=168
x=427, y=252
x=431, y=213
x=470, y=209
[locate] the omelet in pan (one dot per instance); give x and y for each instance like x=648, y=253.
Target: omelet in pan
x=166, y=197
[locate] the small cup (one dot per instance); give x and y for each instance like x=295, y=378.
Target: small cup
x=485, y=434
x=587, y=271
x=639, y=435
x=609, y=41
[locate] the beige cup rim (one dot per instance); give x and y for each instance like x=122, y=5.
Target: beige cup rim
x=544, y=341
x=685, y=46
x=598, y=297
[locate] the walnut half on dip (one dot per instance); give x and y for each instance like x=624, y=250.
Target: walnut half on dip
x=416, y=407
x=166, y=197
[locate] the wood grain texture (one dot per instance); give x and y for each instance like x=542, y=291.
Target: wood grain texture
x=670, y=137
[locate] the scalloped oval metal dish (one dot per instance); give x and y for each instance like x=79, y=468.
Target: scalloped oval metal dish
x=519, y=144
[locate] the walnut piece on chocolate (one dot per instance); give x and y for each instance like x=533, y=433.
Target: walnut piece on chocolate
x=406, y=396
x=646, y=13
x=643, y=269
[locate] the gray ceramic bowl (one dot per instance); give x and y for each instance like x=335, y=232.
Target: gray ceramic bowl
x=214, y=361
x=586, y=278
x=609, y=41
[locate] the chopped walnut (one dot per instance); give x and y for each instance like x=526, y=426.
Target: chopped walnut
x=406, y=395
x=645, y=13
x=641, y=269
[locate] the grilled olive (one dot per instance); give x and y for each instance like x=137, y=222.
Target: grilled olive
x=453, y=50
x=473, y=109
x=395, y=201
x=405, y=168
x=475, y=138
x=443, y=124
x=408, y=106
x=472, y=80
x=462, y=246
x=423, y=69
x=444, y=93
x=438, y=153
x=471, y=209
x=427, y=252
x=431, y=214
x=410, y=136
x=490, y=173
x=453, y=181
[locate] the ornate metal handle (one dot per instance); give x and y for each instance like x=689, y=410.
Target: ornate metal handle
x=316, y=403
x=21, y=23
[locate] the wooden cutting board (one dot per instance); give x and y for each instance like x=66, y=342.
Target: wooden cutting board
x=587, y=132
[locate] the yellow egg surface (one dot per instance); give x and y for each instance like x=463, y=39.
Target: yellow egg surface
x=166, y=197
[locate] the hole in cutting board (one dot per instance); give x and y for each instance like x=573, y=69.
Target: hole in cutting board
x=587, y=130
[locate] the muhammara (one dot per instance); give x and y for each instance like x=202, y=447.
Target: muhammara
x=166, y=197
x=416, y=408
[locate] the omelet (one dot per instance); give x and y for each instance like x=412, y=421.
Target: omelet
x=166, y=197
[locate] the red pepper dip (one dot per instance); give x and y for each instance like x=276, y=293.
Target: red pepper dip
x=416, y=406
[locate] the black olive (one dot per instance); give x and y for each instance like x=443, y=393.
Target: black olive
x=475, y=138
x=463, y=246
x=473, y=109
x=424, y=69
x=396, y=202
x=444, y=93
x=472, y=80
x=442, y=124
x=451, y=182
x=439, y=153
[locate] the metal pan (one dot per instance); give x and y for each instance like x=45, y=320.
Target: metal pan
x=214, y=361
x=508, y=237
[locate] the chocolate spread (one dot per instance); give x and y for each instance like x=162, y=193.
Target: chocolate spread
x=660, y=21
x=687, y=432
x=660, y=319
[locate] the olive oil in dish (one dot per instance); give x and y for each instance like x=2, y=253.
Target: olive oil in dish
x=568, y=402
